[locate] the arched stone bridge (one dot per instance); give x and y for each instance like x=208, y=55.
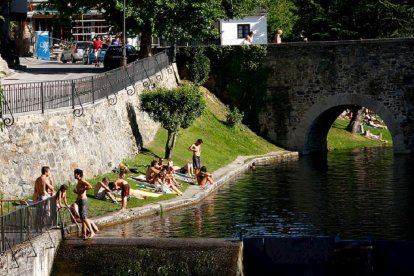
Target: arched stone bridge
x=310, y=84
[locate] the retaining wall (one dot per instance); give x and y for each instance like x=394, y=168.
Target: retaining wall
x=95, y=142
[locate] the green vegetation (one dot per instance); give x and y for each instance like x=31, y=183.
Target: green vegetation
x=175, y=109
x=339, y=138
x=222, y=144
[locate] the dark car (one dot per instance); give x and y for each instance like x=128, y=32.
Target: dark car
x=113, y=56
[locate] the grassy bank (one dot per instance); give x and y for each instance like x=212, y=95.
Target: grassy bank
x=339, y=138
x=222, y=144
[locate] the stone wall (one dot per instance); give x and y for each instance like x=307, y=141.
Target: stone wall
x=95, y=142
x=310, y=84
x=28, y=260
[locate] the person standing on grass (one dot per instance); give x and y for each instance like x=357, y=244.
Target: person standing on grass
x=196, y=149
x=122, y=184
x=82, y=200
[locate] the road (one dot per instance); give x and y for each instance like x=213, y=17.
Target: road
x=38, y=71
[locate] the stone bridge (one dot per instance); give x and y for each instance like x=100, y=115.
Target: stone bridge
x=310, y=84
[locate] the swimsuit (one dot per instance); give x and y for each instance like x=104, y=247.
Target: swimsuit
x=125, y=190
x=83, y=208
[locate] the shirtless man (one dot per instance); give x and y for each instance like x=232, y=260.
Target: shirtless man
x=196, y=149
x=82, y=200
x=122, y=184
x=152, y=172
x=43, y=187
x=102, y=190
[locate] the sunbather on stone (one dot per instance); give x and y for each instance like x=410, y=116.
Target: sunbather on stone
x=204, y=178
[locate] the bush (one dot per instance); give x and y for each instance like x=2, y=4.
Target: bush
x=234, y=117
x=199, y=69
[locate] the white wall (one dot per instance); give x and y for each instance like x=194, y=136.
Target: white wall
x=258, y=24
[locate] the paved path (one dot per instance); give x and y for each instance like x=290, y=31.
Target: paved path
x=34, y=70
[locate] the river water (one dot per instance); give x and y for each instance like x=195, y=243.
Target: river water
x=357, y=193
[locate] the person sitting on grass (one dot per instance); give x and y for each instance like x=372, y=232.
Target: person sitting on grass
x=170, y=175
x=204, y=178
x=122, y=184
x=162, y=179
x=102, y=190
x=152, y=172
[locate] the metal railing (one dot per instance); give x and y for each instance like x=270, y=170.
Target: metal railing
x=27, y=222
x=40, y=96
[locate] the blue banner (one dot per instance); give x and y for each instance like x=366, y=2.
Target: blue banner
x=42, y=45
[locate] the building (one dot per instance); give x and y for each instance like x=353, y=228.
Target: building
x=233, y=31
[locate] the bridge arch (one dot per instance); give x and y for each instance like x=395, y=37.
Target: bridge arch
x=311, y=133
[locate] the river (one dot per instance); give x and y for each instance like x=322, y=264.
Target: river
x=357, y=193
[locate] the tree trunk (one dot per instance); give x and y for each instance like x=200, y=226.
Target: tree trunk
x=356, y=120
x=169, y=146
x=146, y=44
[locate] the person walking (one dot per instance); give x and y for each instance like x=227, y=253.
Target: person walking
x=196, y=149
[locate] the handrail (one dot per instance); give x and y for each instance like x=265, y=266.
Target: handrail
x=40, y=96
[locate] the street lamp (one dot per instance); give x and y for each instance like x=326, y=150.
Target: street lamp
x=124, y=57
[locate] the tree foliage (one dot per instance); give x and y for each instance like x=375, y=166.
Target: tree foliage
x=171, y=20
x=355, y=19
x=282, y=14
x=174, y=109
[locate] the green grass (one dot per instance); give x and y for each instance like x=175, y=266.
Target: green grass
x=339, y=138
x=222, y=144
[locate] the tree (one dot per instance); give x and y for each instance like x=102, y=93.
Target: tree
x=170, y=20
x=355, y=19
x=282, y=14
x=174, y=108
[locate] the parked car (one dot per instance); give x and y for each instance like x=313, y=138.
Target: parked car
x=113, y=56
x=89, y=55
x=74, y=52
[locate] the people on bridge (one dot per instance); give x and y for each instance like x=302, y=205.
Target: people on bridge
x=278, y=37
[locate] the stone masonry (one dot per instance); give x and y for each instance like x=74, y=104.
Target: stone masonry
x=310, y=84
x=95, y=142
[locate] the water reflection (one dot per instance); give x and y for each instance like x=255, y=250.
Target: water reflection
x=355, y=193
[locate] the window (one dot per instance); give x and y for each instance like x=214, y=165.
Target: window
x=242, y=30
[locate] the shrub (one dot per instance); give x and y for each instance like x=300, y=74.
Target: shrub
x=199, y=69
x=234, y=117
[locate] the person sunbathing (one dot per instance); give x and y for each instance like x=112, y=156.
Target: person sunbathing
x=102, y=191
x=152, y=172
x=162, y=179
x=204, y=178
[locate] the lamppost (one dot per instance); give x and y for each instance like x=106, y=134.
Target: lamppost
x=124, y=57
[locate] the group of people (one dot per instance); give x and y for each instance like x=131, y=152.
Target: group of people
x=160, y=174
x=248, y=40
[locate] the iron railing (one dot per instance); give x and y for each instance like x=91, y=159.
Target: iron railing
x=27, y=222
x=40, y=96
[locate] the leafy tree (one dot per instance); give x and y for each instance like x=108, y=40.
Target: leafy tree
x=170, y=20
x=174, y=108
x=355, y=19
x=282, y=14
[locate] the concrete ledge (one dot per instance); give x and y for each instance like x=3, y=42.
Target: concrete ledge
x=194, y=194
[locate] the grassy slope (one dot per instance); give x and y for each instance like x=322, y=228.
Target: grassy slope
x=222, y=144
x=339, y=138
